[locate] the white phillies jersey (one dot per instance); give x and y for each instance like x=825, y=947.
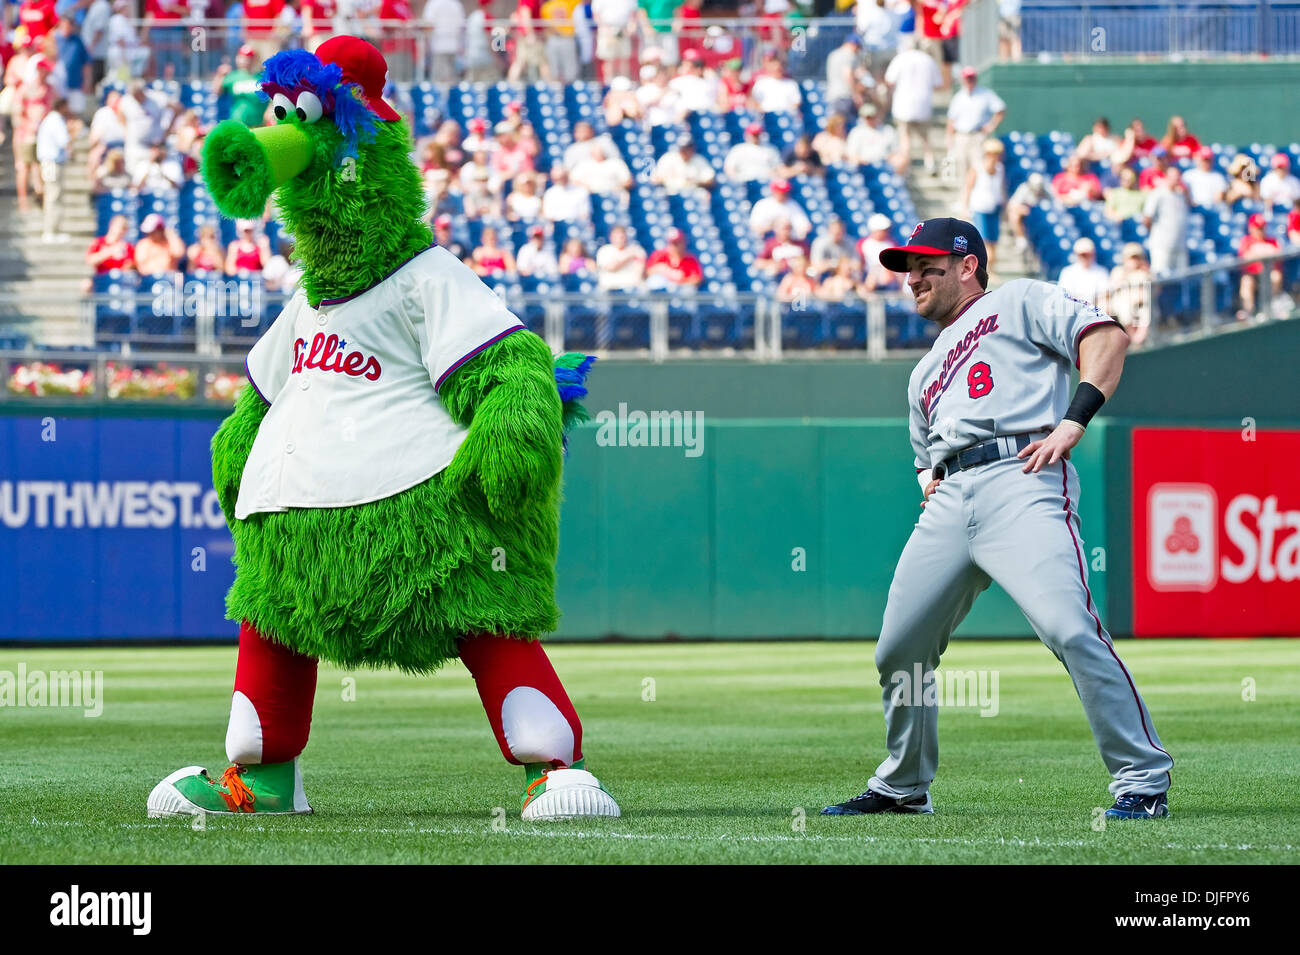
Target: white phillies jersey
x=353, y=387
x=1001, y=368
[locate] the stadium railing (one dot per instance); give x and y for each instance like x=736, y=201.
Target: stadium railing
x=1214, y=28
x=981, y=31
x=193, y=49
x=1204, y=299
x=208, y=367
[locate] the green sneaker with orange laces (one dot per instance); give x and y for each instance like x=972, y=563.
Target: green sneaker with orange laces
x=266, y=789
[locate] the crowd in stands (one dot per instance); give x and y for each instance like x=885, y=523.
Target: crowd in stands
x=657, y=71
x=658, y=67
x=483, y=172
x=1159, y=183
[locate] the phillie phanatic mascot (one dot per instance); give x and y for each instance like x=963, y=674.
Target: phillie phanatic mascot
x=403, y=434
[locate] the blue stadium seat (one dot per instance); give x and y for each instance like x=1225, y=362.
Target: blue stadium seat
x=629, y=325
x=803, y=328
x=725, y=327
x=115, y=203
x=847, y=325
x=580, y=328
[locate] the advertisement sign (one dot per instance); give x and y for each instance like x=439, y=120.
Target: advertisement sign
x=110, y=529
x=1216, y=532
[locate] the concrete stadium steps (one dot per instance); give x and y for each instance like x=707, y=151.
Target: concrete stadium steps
x=42, y=284
x=936, y=196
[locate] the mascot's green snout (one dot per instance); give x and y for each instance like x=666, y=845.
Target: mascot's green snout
x=244, y=166
x=391, y=477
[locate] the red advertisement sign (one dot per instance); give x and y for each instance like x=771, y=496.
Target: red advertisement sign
x=1216, y=532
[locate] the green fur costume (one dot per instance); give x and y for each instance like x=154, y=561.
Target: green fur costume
x=394, y=582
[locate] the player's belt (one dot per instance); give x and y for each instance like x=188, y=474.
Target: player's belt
x=986, y=452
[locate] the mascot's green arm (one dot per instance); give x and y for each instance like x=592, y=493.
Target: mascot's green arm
x=507, y=398
x=231, y=446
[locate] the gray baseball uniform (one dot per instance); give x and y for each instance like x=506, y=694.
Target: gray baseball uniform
x=1000, y=370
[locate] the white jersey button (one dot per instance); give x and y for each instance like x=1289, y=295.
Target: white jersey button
x=288, y=448
x=320, y=318
x=305, y=384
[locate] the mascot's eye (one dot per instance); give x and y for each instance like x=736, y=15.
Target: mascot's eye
x=309, y=107
x=282, y=105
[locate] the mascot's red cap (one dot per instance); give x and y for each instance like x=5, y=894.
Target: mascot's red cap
x=361, y=64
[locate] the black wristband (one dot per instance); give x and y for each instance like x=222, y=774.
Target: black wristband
x=1087, y=401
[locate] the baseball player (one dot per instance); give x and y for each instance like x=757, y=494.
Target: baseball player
x=992, y=426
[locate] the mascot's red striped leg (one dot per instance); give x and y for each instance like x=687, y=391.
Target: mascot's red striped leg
x=530, y=713
x=536, y=726
x=270, y=714
x=270, y=717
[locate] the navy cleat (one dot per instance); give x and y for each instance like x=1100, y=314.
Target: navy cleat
x=1138, y=806
x=871, y=802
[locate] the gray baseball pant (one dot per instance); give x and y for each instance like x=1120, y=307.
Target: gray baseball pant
x=993, y=522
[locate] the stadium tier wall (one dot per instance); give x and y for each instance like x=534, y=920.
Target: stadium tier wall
x=1222, y=102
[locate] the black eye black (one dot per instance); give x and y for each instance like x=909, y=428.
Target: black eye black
x=279, y=112
x=302, y=114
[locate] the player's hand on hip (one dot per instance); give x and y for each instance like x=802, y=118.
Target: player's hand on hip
x=1055, y=447
x=930, y=489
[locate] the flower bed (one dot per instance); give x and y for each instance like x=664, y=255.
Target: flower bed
x=123, y=381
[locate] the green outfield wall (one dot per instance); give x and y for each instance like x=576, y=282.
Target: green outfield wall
x=778, y=529
x=1238, y=103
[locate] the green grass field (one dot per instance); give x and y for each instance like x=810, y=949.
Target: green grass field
x=738, y=743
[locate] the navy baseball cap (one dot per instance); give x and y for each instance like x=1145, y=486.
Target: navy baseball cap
x=938, y=237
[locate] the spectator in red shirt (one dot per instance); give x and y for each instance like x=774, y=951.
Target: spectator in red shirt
x=249, y=252
x=1256, y=243
x=260, y=20
x=513, y=116
x=673, y=268
x=206, y=255
x=796, y=286
x=397, y=42
x=780, y=250
x=164, y=11
x=1073, y=186
x=160, y=249
x=509, y=159
x=39, y=18
x=165, y=35
x=940, y=27
x=688, y=37
x=1159, y=166
x=1293, y=224
x=1137, y=144
x=733, y=91
x=317, y=22
x=1180, y=143
x=111, y=250
x=490, y=258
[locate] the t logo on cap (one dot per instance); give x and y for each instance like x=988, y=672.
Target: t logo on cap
x=941, y=236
